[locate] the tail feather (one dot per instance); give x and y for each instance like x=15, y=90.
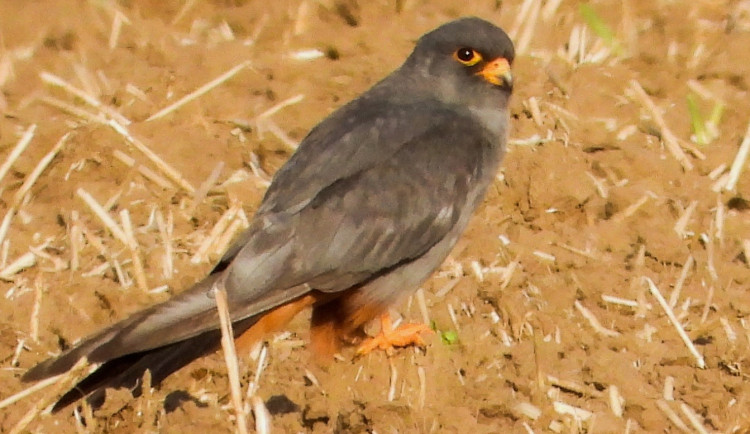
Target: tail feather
x=64, y=362
x=166, y=337
x=151, y=328
x=127, y=371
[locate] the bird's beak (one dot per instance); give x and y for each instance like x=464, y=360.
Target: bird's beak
x=498, y=72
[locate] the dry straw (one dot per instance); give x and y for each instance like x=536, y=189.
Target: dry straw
x=739, y=162
x=63, y=383
x=594, y=321
x=676, y=323
x=672, y=416
x=200, y=91
x=670, y=139
x=21, y=146
x=230, y=357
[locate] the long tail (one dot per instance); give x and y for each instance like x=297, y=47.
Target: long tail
x=161, y=339
x=127, y=371
x=166, y=337
x=182, y=317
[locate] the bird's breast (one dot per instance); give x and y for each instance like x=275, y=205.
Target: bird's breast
x=494, y=120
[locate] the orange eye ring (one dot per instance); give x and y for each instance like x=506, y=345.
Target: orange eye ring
x=467, y=56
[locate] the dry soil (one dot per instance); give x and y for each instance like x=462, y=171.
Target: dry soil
x=546, y=320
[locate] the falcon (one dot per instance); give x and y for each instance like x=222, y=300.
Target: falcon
x=370, y=204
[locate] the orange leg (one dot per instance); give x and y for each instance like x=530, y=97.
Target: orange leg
x=388, y=338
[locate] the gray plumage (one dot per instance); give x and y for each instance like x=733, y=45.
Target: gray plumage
x=373, y=200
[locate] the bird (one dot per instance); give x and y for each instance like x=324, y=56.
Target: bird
x=369, y=205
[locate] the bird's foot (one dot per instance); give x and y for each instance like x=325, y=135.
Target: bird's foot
x=388, y=338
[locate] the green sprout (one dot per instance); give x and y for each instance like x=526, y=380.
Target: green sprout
x=715, y=119
x=600, y=28
x=704, y=132
x=700, y=133
x=447, y=337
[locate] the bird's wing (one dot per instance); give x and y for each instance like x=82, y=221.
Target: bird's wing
x=367, y=221
x=354, y=138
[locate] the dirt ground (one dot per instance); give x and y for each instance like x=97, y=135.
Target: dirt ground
x=546, y=319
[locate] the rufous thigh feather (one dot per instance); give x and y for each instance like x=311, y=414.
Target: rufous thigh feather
x=273, y=321
x=340, y=321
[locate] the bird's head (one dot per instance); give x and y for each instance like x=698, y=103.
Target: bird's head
x=466, y=61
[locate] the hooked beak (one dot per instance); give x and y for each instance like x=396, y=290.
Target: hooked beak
x=498, y=73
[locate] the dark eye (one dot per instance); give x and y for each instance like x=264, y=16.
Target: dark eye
x=467, y=56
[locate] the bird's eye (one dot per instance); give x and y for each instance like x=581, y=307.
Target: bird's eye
x=467, y=56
